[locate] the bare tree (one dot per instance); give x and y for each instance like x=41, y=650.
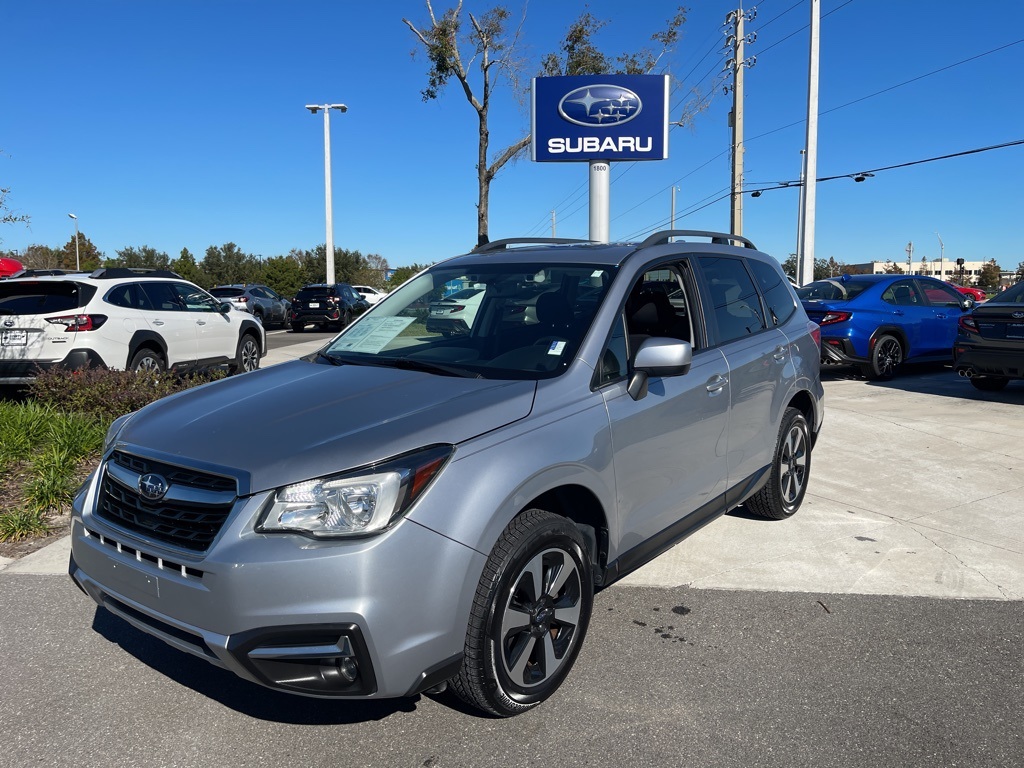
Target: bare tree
x=488, y=49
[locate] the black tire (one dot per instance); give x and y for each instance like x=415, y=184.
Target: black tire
x=298, y=327
x=886, y=356
x=259, y=316
x=989, y=383
x=147, y=360
x=531, y=610
x=247, y=355
x=791, y=468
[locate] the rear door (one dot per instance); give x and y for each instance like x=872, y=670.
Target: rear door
x=170, y=320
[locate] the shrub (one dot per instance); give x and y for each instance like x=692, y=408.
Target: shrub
x=107, y=394
x=20, y=524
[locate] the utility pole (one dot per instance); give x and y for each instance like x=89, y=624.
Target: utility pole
x=910, y=256
x=736, y=39
x=672, y=218
x=942, y=258
x=811, y=156
x=553, y=222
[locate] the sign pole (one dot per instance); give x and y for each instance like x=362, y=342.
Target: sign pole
x=600, y=192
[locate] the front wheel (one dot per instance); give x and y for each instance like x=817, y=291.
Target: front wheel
x=791, y=468
x=529, y=616
x=247, y=356
x=886, y=356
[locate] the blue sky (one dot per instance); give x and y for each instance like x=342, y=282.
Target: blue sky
x=182, y=124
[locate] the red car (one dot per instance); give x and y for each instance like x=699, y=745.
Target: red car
x=9, y=267
x=975, y=293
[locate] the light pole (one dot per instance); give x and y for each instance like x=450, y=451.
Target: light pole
x=942, y=258
x=78, y=266
x=329, y=245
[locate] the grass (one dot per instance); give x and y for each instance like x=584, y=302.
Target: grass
x=50, y=442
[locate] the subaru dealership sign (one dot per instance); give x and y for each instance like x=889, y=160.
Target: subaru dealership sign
x=600, y=117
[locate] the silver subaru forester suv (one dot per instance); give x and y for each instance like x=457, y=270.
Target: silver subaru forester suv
x=439, y=509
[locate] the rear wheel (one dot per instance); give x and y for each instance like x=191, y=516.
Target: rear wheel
x=989, y=383
x=297, y=327
x=886, y=356
x=791, y=468
x=529, y=616
x=147, y=360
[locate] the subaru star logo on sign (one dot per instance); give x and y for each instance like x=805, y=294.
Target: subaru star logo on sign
x=600, y=117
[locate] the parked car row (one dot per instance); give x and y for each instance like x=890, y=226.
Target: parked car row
x=878, y=322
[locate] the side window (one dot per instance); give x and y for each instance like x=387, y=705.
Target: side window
x=778, y=298
x=734, y=300
x=161, y=297
x=194, y=299
x=902, y=294
x=612, y=366
x=121, y=296
x=942, y=296
x=658, y=306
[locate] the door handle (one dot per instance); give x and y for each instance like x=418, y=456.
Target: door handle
x=941, y=316
x=717, y=383
x=898, y=312
x=158, y=322
x=200, y=322
x=779, y=354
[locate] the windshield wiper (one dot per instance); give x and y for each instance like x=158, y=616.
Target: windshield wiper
x=413, y=364
x=329, y=358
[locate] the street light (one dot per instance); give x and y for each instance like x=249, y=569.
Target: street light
x=314, y=108
x=78, y=266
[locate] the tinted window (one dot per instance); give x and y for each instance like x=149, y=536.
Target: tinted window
x=775, y=290
x=941, y=295
x=1012, y=295
x=832, y=290
x=613, y=359
x=195, y=299
x=18, y=297
x=734, y=300
x=224, y=293
x=903, y=294
x=130, y=296
x=313, y=292
x=162, y=297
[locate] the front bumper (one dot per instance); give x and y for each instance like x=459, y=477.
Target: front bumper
x=377, y=617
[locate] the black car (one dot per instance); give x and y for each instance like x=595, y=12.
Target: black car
x=330, y=306
x=989, y=349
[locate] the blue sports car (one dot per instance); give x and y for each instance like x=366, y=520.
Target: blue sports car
x=877, y=322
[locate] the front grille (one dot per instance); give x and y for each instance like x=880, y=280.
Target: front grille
x=191, y=523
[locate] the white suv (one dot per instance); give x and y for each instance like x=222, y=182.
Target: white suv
x=120, y=318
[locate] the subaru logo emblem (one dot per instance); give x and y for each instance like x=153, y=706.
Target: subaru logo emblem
x=9, y=322
x=600, y=105
x=1018, y=315
x=152, y=486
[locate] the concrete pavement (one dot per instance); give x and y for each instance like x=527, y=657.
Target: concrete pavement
x=915, y=490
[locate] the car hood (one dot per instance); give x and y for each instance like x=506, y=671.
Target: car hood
x=300, y=420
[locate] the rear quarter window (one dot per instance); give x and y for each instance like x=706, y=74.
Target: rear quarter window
x=21, y=298
x=775, y=290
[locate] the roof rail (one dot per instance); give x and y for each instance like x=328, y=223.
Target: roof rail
x=111, y=273
x=717, y=238
x=502, y=245
x=30, y=272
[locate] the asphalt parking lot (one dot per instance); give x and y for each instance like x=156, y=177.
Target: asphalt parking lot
x=882, y=625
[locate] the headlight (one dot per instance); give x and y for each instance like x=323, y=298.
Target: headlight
x=115, y=429
x=355, y=503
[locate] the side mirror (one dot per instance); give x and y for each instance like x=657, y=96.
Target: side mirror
x=658, y=357
x=224, y=308
x=967, y=302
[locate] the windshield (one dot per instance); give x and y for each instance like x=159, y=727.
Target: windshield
x=505, y=322
x=832, y=290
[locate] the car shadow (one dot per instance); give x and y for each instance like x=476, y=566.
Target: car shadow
x=930, y=379
x=238, y=694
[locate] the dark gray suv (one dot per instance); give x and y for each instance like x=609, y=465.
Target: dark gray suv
x=440, y=510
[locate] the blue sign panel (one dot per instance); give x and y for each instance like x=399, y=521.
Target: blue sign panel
x=600, y=117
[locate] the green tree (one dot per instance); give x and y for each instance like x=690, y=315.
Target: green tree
x=144, y=257
x=88, y=256
x=1020, y=273
x=283, y=274
x=891, y=268
x=229, y=264
x=989, y=277
x=402, y=274
x=185, y=265
x=490, y=49
x=373, y=272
